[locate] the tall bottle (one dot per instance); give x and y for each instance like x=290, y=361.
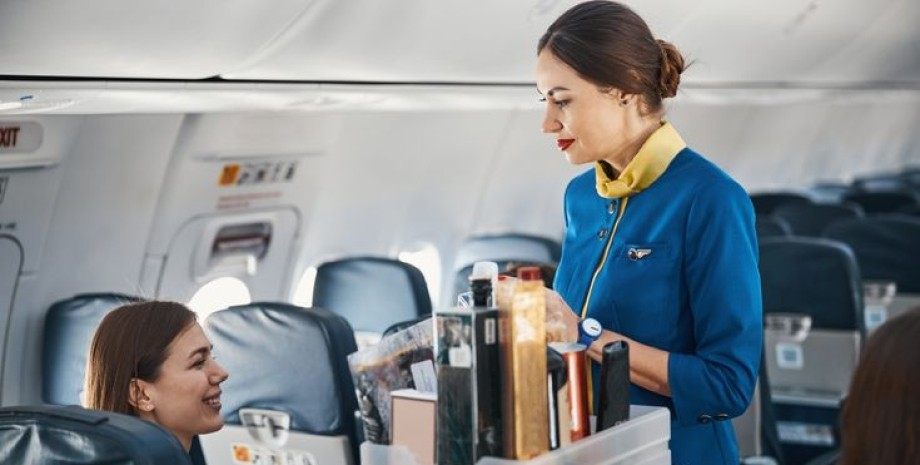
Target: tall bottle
x=469, y=396
x=523, y=311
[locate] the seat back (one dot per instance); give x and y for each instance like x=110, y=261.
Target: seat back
x=887, y=248
x=828, y=192
x=372, y=293
x=812, y=276
x=882, y=201
x=766, y=202
x=503, y=249
x=69, y=328
x=881, y=182
x=397, y=327
x=814, y=326
x=290, y=392
x=812, y=219
x=756, y=428
x=53, y=435
x=769, y=226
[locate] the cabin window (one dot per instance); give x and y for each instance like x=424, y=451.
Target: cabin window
x=428, y=261
x=218, y=295
x=303, y=294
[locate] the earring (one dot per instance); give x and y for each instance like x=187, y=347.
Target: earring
x=148, y=407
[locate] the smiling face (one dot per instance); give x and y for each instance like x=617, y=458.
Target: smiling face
x=185, y=398
x=589, y=124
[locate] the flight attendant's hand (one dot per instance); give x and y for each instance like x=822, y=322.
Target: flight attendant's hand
x=561, y=321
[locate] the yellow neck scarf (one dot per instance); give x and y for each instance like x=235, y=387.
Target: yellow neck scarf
x=653, y=158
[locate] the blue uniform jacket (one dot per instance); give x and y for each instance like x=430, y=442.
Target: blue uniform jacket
x=694, y=293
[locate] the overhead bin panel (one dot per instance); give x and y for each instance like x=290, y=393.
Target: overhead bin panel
x=801, y=42
x=137, y=39
x=848, y=43
x=408, y=41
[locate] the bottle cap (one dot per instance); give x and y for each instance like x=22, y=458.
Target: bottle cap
x=529, y=273
x=484, y=270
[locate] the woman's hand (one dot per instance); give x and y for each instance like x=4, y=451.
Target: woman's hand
x=561, y=321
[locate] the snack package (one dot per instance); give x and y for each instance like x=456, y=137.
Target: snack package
x=402, y=360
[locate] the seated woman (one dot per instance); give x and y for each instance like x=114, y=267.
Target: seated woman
x=879, y=421
x=152, y=360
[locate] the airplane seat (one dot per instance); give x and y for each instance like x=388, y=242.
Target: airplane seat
x=69, y=328
x=813, y=332
x=912, y=177
x=827, y=458
x=770, y=226
x=372, y=293
x=504, y=249
x=54, y=435
x=397, y=327
x=766, y=202
x=807, y=219
x=881, y=182
x=828, y=192
x=887, y=249
x=909, y=210
x=758, y=439
x=888, y=201
x=290, y=396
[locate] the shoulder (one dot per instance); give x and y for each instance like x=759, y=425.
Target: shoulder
x=703, y=179
x=584, y=183
x=701, y=172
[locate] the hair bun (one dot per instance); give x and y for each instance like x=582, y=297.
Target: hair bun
x=672, y=64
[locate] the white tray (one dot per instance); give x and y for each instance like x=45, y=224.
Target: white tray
x=643, y=440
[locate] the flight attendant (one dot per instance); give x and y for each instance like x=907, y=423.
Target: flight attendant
x=660, y=249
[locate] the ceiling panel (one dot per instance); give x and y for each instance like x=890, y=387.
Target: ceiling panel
x=137, y=39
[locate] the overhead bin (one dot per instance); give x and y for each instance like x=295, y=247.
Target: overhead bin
x=131, y=39
x=782, y=44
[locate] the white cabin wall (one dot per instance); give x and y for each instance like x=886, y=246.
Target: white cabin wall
x=101, y=215
x=28, y=206
x=793, y=145
x=396, y=181
x=383, y=181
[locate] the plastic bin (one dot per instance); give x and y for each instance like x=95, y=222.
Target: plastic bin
x=643, y=440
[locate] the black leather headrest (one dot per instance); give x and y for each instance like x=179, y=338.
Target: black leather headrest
x=886, y=248
x=768, y=226
x=882, y=201
x=371, y=293
x=766, y=202
x=502, y=249
x=882, y=182
x=508, y=248
x=808, y=219
x=69, y=328
x=817, y=277
x=53, y=435
x=286, y=358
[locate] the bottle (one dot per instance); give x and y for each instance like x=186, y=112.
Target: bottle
x=524, y=373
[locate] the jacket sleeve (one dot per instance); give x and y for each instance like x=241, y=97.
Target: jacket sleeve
x=717, y=379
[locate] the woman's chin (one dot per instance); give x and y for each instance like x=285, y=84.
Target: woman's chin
x=574, y=159
x=216, y=426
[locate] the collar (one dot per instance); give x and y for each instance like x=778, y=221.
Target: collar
x=648, y=165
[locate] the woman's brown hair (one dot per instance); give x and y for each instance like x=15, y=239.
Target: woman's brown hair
x=609, y=45
x=880, y=421
x=132, y=341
